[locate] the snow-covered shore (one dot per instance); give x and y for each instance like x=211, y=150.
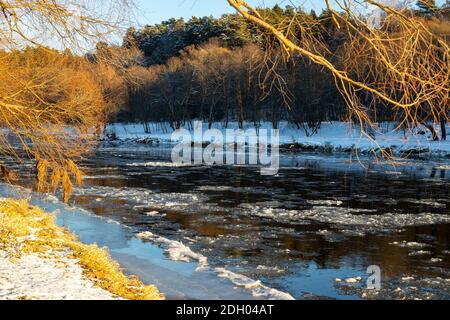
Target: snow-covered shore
x=56, y=276
x=41, y=261
x=331, y=137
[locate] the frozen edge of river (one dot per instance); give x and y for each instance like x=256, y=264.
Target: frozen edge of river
x=36, y=262
x=55, y=277
x=237, y=283
x=179, y=252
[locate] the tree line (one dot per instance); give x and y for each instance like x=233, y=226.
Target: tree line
x=222, y=70
x=234, y=68
x=227, y=69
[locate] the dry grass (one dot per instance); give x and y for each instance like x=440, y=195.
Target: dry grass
x=27, y=229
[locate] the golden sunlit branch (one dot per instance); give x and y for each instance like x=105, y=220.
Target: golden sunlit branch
x=52, y=106
x=400, y=63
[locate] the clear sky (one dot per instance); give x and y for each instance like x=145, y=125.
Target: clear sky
x=155, y=11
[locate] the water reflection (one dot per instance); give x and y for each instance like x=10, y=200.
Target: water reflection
x=283, y=252
x=257, y=225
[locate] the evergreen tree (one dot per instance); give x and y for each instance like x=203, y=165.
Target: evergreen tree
x=427, y=6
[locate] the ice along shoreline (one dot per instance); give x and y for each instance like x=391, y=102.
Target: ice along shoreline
x=41, y=261
x=175, y=278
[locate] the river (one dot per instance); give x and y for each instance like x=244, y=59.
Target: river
x=226, y=232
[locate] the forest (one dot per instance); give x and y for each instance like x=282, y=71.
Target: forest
x=226, y=69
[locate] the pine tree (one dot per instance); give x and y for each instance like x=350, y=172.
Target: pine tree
x=428, y=6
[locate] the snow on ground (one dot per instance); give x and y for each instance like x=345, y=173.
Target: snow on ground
x=53, y=277
x=334, y=136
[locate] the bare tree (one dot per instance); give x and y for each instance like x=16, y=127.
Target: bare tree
x=396, y=62
x=63, y=23
x=50, y=103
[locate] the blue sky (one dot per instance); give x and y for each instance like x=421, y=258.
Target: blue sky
x=155, y=11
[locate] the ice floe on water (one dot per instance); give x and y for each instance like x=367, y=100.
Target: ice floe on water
x=353, y=280
x=106, y=176
x=159, y=164
x=277, y=214
x=257, y=288
x=349, y=221
x=169, y=200
x=214, y=188
x=410, y=245
x=153, y=214
x=145, y=198
x=329, y=218
x=246, y=190
x=405, y=287
x=325, y=202
x=336, y=222
x=443, y=167
x=177, y=251
x=420, y=253
x=417, y=249
x=345, y=219
x=330, y=236
x=112, y=192
x=263, y=268
x=427, y=202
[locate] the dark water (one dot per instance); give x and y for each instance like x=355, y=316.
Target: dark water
x=320, y=219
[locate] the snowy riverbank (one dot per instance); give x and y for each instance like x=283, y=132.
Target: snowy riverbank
x=41, y=261
x=176, y=270
x=330, y=138
x=53, y=277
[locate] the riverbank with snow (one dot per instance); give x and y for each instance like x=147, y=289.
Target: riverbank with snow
x=178, y=272
x=335, y=137
x=54, y=276
x=41, y=261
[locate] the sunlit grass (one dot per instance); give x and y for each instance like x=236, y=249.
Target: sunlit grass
x=27, y=229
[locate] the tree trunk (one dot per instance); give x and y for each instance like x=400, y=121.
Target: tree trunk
x=433, y=131
x=443, y=130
